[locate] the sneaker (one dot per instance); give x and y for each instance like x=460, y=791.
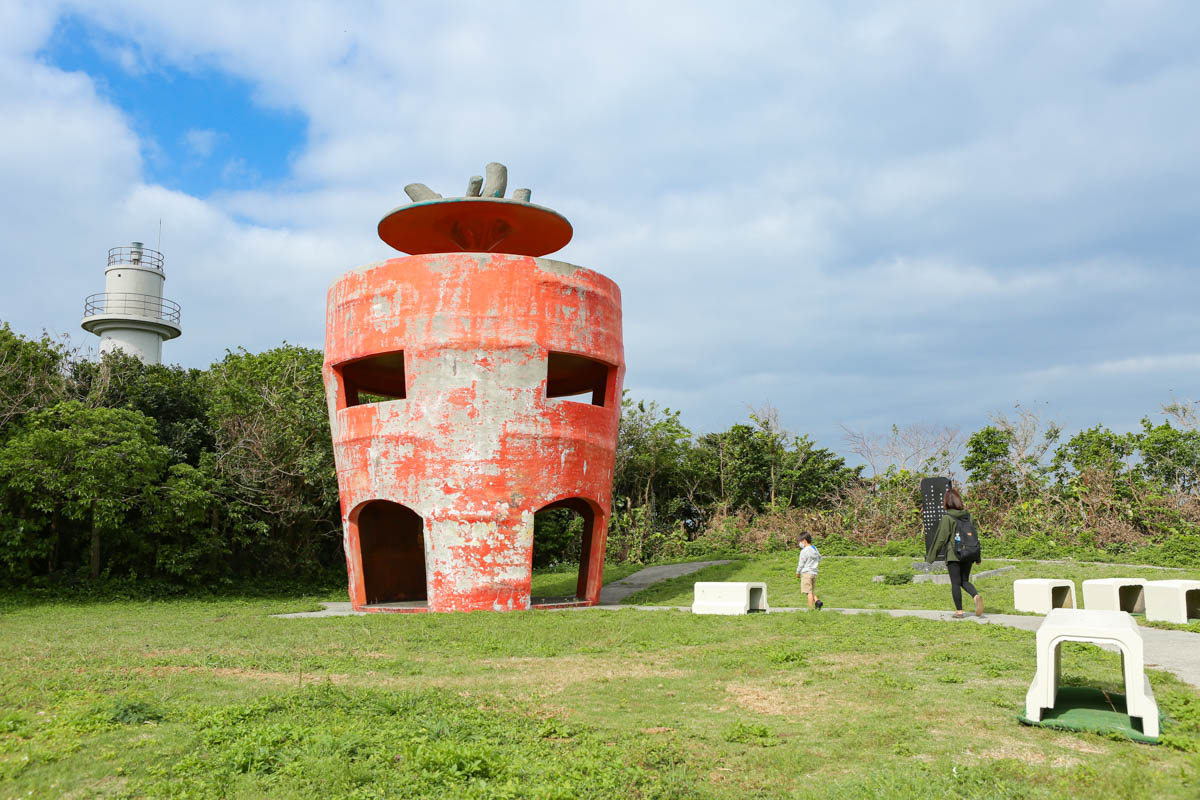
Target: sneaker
x=979, y=605
x=819, y=604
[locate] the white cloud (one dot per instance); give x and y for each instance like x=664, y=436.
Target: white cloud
x=1178, y=362
x=25, y=25
x=201, y=143
x=794, y=201
x=128, y=59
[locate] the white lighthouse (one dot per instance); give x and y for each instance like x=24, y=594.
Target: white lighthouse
x=131, y=314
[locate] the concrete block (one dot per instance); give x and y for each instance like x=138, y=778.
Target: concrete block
x=1173, y=601
x=1094, y=627
x=1115, y=594
x=729, y=597
x=1040, y=595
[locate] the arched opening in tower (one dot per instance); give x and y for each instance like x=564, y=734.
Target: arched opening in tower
x=563, y=535
x=392, y=545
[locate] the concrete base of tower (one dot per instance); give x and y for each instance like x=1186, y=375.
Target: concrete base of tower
x=400, y=562
x=422, y=607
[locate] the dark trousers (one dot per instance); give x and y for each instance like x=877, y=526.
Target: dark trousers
x=960, y=578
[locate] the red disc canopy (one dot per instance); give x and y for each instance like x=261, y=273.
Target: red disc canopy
x=475, y=225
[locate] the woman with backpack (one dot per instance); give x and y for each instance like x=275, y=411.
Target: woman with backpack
x=956, y=533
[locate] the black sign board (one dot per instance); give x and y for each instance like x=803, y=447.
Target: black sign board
x=933, y=505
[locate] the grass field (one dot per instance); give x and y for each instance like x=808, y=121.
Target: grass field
x=214, y=698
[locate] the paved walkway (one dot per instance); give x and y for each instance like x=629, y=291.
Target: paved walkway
x=617, y=591
x=1177, y=652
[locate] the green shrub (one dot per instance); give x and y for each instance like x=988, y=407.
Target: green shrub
x=752, y=733
x=126, y=711
x=1179, y=550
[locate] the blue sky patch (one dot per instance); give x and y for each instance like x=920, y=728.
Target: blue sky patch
x=201, y=129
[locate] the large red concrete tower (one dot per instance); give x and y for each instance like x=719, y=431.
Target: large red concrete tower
x=470, y=385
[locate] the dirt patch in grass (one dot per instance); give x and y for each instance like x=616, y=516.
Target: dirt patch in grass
x=788, y=700
x=555, y=674
x=1026, y=755
x=547, y=675
x=1025, y=751
x=293, y=678
x=1081, y=746
x=720, y=775
x=108, y=786
x=855, y=660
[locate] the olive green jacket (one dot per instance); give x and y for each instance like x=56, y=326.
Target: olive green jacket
x=945, y=532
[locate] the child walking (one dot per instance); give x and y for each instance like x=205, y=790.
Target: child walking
x=806, y=571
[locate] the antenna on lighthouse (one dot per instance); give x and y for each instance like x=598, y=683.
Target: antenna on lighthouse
x=131, y=314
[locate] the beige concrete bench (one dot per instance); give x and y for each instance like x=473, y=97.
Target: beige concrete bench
x=729, y=597
x=1095, y=627
x=1173, y=601
x=1040, y=595
x=1115, y=594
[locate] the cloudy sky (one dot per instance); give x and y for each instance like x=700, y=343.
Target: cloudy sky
x=914, y=212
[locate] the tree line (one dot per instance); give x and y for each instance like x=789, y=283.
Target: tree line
x=110, y=468
x=113, y=468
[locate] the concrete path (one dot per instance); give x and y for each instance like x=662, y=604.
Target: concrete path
x=343, y=609
x=617, y=591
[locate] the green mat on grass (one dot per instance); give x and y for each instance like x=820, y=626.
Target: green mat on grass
x=1080, y=708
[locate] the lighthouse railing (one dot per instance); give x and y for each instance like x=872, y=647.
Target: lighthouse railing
x=129, y=303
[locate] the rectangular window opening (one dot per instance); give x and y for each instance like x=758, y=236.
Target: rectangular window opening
x=577, y=378
x=375, y=379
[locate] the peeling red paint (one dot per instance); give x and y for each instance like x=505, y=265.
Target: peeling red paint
x=475, y=447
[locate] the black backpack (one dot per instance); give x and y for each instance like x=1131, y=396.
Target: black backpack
x=966, y=541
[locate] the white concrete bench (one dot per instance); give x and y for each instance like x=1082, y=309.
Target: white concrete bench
x=1115, y=594
x=1096, y=627
x=1039, y=595
x=729, y=597
x=1173, y=601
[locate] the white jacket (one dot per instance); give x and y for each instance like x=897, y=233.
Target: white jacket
x=809, y=559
